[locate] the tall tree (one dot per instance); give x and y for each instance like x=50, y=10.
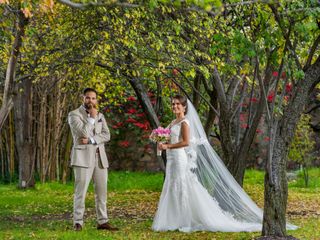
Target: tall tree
x=301, y=33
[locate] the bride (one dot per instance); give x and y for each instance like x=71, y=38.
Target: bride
x=198, y=192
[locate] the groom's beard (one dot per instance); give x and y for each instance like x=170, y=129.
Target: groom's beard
x=89, y=106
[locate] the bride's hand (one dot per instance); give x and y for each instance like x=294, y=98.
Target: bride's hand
x=162, y=146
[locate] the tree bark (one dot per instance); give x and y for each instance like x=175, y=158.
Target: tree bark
x=148, y=109
x=11, y=144
x=7, y=102
x=66, y=157
x=196, y=84
x=276, y=190
x=23, y=133
x=211, y=115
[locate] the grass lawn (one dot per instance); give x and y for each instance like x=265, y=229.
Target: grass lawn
x=45, y=212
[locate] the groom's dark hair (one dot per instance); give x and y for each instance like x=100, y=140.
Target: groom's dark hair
x=183, y=100
x=89, y=90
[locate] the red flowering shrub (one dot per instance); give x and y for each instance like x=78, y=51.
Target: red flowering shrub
x=130, y=131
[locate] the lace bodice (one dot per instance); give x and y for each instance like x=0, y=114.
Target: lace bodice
x=175, y=135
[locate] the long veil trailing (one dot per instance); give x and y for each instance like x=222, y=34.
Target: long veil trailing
x=215, y=178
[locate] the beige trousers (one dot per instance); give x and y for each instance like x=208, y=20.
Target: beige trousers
x=82, y=177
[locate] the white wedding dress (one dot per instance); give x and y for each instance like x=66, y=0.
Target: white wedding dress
x=199, y=193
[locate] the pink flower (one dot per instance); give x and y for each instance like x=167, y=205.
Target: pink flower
x=131, y=120
x=141, y=125
x=253, y=99
x=124, y=143
x=131, y=98
x=275, y=74
x=286, y=98
x=266, y=139
x=270, y=97
x=175, y=71
x=160, y=134
x=244, y=125
x=244, y=105
x=140, y=115
x=150, y=94
x=288, y=87
x=132, y=111
x=242, y=117
x=258, y=131
x=118, y=125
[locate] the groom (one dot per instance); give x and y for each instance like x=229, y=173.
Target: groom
x=88, y=159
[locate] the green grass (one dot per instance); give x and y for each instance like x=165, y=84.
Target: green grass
x=123, y=181
x=45, y=212
x=314, y=180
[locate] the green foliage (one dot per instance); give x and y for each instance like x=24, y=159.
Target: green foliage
x=302, y=145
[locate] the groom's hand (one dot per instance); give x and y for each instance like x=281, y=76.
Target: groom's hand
x=93, y=112
x=84, y=140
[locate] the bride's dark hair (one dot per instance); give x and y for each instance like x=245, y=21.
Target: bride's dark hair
x=183, y=100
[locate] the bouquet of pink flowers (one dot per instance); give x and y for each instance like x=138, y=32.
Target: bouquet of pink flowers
x=160, y=135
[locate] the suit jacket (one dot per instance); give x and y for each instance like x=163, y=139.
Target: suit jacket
x=83, y=155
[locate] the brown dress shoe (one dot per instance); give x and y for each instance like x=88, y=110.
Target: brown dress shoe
x=107, y=226
x=77, y=227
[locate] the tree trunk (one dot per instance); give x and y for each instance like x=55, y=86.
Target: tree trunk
x=66, y=157
x=226, y=141
x=23, y=130
x=211, y=115
x=240, y=157
x=148, y=109
x=236, y=152
x=145, y=102
x=43, y=141
x=11, y=143
x=7, y=102
x=276, y=189
x=196, y=95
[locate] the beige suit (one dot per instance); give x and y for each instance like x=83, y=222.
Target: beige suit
x=89, y=161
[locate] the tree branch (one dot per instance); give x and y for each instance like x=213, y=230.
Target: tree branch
x=197, y=91
x=220, y=88
x=312, y=51
x=232, y=89
x=84, y=6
